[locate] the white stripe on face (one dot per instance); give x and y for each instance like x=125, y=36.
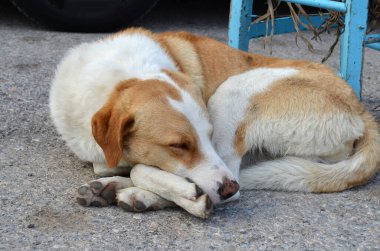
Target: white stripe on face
x=211, y=171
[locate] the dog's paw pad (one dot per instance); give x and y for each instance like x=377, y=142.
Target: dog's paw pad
x=96, y=194
x=125, y=206
x=96, y=187
x=83, y=190
x=91, y=200
x=134, y=199
x=139, y=206
x=132, y=205
x=82, y=201
x=97, y=204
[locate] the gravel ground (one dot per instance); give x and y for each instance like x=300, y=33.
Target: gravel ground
x=39, y=174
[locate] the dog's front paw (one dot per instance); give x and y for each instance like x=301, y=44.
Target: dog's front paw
x=193, y=191
x=165, y=184
x=202, y=207
x=134, y=199
x=101, y=192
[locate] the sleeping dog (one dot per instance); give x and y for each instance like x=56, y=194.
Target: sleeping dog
x=196, y=118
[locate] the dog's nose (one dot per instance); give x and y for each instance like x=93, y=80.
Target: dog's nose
x=227, y=188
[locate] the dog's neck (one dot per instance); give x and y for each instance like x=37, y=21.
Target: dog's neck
x=202, y=61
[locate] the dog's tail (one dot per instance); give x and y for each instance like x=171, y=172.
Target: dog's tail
x=297, y=174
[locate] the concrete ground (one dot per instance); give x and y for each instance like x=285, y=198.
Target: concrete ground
x=39, y=175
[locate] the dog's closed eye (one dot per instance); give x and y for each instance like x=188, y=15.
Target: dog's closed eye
x=180, y=146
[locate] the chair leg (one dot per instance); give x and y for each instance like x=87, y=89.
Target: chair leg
x=351, y=49
x=240, y=20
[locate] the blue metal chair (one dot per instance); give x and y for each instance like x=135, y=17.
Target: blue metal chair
x=352, y=40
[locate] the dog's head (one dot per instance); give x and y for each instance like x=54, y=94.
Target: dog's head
x=164, y=124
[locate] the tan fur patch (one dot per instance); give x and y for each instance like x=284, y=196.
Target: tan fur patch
x=317, y=89
x=309, y=91
x=185, y=83
x=138, y=124
x=186, y=57
x=240, y=135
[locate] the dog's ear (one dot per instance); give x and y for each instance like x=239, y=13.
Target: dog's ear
x=109, y=127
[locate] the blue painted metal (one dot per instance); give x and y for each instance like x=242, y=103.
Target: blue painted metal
x=373, y=41
x=323, y=4
x=351, y=49
x=372, y=38
x=353, y=38
x=239, y=23
x=375, y=46
x=282, y=25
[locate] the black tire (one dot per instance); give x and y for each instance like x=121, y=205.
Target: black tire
x=84, y=15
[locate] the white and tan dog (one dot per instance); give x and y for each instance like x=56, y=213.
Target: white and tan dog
x=138, y=98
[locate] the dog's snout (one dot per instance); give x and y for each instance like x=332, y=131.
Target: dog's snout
x=228, y=188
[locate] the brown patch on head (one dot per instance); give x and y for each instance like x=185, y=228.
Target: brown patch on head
x=110, y=125
x=139, y=124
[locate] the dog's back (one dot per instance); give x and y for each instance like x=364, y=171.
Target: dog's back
x=314, y=132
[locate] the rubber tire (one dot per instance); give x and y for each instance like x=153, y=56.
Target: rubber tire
x=99, y=16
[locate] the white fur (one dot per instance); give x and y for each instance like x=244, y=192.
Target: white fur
x=89, y=73
x=150, y=200
x=211, y=171
x=320, y=135
x=172, y=188
x=86, y=77
x=227, y=107
x=305, y=138
x=296, y=174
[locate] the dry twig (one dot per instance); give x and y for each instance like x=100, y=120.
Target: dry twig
x=334, y=20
